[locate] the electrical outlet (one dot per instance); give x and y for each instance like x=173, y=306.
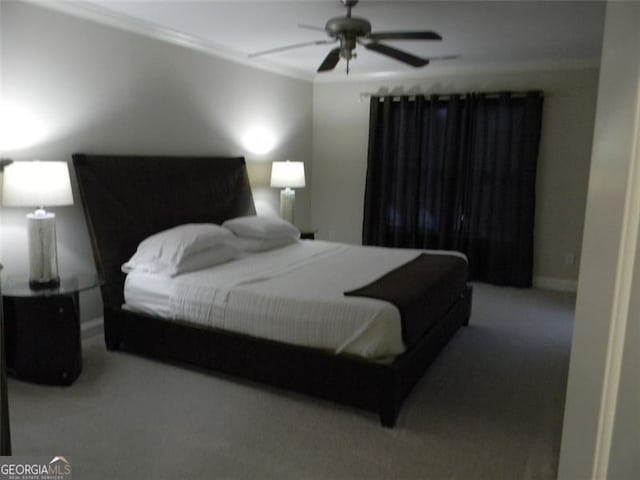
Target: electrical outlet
x=569, y=259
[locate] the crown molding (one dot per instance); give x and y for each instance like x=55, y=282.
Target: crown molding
x=97, y=14
x=103, y=16
x=444, y=69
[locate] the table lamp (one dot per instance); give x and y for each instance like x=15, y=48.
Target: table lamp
x=287, y=175
x=39, y=184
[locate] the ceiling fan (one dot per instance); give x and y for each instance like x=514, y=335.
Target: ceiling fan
x=350, y=31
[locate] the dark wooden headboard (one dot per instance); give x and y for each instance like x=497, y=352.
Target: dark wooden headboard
x=128, y=198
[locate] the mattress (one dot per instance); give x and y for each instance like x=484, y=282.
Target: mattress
x=293, y=294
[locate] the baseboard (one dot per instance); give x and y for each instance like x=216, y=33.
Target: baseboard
x=558, y=284
x=92, y=327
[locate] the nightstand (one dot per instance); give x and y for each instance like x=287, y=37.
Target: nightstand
x=42, y=329
x=308, y=235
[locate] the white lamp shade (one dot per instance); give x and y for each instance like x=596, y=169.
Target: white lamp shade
x=36, y=184
x=287, y=174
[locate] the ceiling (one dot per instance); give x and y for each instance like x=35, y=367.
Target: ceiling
x=477, y=33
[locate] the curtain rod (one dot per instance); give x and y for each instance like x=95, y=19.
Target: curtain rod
x=447, y=96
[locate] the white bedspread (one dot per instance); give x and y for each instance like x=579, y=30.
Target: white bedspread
x=293, y=294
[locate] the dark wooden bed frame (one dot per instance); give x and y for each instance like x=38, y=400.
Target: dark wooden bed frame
x=127, y=198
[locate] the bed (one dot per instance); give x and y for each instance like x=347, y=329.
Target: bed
x=128, y=198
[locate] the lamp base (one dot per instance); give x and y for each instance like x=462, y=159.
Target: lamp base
x=43, y=254
x=287, y=201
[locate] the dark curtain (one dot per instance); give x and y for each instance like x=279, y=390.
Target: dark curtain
x=413, y=195
x=456, y=173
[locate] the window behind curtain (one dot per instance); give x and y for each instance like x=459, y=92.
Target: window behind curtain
x=456, y=173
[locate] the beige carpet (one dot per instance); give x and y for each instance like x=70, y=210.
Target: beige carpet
x=490, y=407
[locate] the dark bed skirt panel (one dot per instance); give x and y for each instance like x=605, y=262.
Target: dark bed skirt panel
x=345, y=379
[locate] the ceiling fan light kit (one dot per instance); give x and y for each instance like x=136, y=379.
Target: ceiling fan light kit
x=350, y=31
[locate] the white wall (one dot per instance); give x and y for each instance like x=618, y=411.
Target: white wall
x=97, y=89
x=340, y=136
x=601, y=434
x=624, y=462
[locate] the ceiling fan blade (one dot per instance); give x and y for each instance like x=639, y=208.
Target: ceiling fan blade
x=311, y=27
x=426, y=35
x=330, y=61
x=291, y=47
x=396, y=54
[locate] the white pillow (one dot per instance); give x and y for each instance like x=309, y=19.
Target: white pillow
x=196, y=261
x=268, y=228
x=247, y=244
x=171, y=249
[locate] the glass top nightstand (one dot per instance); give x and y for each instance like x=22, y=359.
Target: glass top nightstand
x=18, y=285
x=42, y=328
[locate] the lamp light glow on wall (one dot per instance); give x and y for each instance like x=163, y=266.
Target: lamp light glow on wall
x=39, y=184
x=259, y=141
x=19, y=128
x=287, y=175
